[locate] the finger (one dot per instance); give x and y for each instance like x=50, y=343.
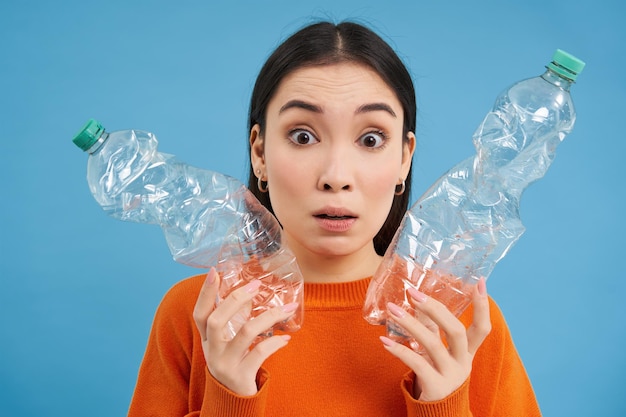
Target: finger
x=481, y=321
x=260, y=324
x=418, y=363
x=206, y=301
x=428, y=340
x=429, y=323
x=454, y=330
x=232, y=307
x=263, y=350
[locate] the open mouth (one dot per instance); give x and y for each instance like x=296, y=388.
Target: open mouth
x=329, y=217
x=335, y=220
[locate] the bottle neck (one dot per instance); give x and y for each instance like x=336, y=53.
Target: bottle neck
x=98, y=144
x=557, y=80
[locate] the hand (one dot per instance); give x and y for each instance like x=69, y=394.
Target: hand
x=442, y=369
x=230, y=360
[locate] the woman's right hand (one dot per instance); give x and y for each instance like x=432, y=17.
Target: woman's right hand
x=231, y=361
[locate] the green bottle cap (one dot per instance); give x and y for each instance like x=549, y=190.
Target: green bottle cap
x=566, y=65
x=88, y=135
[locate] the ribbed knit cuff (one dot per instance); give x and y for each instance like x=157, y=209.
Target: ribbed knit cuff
x=223, y=402
x=454, y=405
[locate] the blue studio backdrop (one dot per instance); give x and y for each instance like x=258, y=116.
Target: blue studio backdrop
x=78, y=290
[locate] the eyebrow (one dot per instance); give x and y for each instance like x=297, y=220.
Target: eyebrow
x=375, y=107
x=370, y=107
x=299, y=104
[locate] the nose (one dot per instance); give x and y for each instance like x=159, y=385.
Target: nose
x=336, y=174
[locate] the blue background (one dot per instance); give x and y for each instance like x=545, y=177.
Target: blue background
x=78, y=290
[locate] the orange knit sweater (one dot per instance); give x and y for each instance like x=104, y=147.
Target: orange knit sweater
x=334, y=366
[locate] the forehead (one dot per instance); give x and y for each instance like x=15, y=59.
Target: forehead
x=345, y=83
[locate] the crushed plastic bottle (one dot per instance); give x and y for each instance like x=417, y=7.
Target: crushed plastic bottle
x=208, y=219
x=469, y=219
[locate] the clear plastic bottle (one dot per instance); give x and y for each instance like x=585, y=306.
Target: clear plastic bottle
x=208, y=219
x=469, y=219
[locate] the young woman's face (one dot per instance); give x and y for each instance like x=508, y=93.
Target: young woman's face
x=332, y=154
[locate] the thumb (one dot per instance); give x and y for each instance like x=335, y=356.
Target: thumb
x=206, y=301
x=481, y=322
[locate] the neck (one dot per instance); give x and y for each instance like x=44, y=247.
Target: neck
x=323, y=268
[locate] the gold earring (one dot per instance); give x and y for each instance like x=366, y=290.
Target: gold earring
x=402, y=188
x=259, y=183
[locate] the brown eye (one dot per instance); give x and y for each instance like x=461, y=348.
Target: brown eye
x=302, y=137
x=372, y=139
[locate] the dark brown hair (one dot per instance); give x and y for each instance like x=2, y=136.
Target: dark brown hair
x=326, y=43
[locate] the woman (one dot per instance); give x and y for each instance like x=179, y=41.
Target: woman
x=332, y=122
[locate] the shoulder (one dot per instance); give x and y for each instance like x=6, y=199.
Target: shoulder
x=500, y=333
x=173, y=340
x=495, y=314
x=499, y=383
x=180, y=300
x=188, y=288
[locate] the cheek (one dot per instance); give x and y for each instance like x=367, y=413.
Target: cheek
x=382, y=180
x=284, y=177
x=288, y=182
x=380, y=198
x=381, y=191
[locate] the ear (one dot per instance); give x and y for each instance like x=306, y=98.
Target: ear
x=257, y=150
x=408, y=148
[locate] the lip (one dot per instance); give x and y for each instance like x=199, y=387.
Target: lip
x=335, y=219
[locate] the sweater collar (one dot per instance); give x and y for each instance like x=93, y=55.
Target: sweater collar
x=341, y=294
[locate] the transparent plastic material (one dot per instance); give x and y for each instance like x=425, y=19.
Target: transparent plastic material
x=469, y=219
x=208, y=219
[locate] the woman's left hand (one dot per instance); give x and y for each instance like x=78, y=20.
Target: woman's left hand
x=442, y=369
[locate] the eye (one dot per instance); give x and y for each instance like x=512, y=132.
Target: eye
x=302, y=137
x=373, y=139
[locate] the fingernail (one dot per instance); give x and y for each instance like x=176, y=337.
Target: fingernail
x=210, y=277
x=288, y=308
x=482, y=286
x=285, y=337
x=387, y=341
x=252, y=286
x=418, y=296
x=395, y=310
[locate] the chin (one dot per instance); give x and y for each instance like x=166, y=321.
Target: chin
x=341, y=248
